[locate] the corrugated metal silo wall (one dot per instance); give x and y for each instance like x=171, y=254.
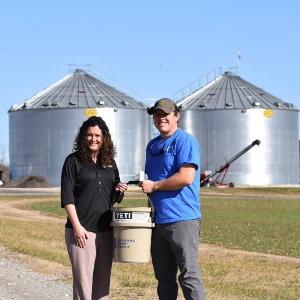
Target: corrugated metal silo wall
x=40, y=140
x=223, y=134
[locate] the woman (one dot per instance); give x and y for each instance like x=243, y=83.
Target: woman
x=90, y=184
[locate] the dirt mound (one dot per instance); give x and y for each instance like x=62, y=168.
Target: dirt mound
x=27, y=182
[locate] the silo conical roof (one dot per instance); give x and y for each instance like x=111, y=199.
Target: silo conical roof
x=230, y=91
x=79, y=90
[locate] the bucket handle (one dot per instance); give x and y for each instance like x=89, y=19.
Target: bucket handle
x=152, y=208
x=136, y=182
x=117, y=194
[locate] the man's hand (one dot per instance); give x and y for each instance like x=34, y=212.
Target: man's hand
x=148, y=186
x=182, y=178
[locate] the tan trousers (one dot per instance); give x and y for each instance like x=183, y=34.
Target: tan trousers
x=91, y=265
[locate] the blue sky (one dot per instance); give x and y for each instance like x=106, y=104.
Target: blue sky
x=155, y=48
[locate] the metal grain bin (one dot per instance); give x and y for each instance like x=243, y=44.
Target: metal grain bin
x=228, y=114
x=42, y=128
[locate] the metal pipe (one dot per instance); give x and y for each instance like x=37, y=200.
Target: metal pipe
x=222, y=168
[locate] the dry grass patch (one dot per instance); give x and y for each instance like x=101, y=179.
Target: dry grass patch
x=242, y=275
x=228, y=274
x=38, y=239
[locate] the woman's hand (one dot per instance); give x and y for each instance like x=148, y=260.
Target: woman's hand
x=80, y=236
x=121, y=187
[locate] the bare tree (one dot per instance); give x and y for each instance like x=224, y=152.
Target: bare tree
x=3, y=150
x=3, y=163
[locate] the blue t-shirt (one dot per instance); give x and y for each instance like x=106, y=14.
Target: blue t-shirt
x=164, y=157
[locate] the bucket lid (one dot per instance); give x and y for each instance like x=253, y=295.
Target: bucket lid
x=129, y=209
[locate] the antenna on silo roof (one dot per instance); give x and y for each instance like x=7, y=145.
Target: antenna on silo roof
x=239, y=59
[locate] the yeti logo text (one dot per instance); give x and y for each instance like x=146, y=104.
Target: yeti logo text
x=123, y=215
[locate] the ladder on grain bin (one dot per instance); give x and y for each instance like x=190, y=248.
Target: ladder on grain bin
x=223, y=169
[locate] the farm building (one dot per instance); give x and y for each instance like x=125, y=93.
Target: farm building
x=42, y=128
x=228, y=114
x=225, y=115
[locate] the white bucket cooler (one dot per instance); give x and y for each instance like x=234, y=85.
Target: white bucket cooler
x=132, y=230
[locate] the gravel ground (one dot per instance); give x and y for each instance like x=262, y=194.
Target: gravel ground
x=18, y=282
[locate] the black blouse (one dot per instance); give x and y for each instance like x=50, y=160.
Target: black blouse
x=90, y=187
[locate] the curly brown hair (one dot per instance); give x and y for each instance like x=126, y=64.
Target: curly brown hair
x=107, y=151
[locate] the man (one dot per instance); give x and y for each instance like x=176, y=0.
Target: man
x=173, y=183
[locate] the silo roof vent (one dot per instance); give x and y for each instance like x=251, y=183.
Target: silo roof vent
x=290, y=105
x=202, y=105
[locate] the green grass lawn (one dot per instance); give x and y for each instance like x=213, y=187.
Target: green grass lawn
x=263, y=224
x=268, y=225
x=261, y=220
